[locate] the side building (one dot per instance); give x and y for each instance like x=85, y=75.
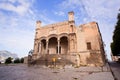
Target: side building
x=68, y=43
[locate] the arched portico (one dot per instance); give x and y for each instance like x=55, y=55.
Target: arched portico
x=54, y=44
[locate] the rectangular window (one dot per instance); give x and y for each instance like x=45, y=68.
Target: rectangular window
x=71, y=28
x=89, y=45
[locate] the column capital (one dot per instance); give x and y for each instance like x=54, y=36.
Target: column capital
x=47, y=41
x=58, y=39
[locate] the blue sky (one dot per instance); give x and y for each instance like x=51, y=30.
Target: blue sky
x=18, y=19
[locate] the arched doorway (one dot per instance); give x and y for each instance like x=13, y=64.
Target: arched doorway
x=63, y=45
x=52, y=45
x=43, y=46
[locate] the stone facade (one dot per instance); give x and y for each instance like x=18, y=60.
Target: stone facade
x=81, y=45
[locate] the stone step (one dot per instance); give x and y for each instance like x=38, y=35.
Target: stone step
x=53, y=59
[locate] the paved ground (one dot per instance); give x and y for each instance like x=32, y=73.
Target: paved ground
x=22, y=72
x=115, y=66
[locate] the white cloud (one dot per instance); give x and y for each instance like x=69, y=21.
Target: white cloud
x=16, y=36
x=93, y=9
x=45, y=20
x=16, y=30
x=102, y=8
x=22, y=38
x=60, y=13
x=70, y=4
x=12, y=1
x=17, y=42
x=42, y=15
x=20, y=7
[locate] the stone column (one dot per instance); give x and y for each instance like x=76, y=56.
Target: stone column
x=58, y=46
x=39, y=48
x=37, y=53
x=68, y=46
x=47, y=47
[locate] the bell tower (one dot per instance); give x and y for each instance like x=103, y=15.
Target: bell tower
x=72, y=34
x=71, y=16
x=38, y=24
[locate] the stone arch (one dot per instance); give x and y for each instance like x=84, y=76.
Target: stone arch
x=41, y=38
x=52, y=35
x=63, y=45
x=63, y=34
x=52, y=45
x=43, y=46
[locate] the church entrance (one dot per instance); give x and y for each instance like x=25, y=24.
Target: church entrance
x=52, y=45
x=64, y=45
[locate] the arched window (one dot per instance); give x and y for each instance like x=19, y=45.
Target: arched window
x=71, y=26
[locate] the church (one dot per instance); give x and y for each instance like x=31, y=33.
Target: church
x=65, y=43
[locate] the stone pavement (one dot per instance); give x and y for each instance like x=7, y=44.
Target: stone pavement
x=22, y=72
x=115, y=67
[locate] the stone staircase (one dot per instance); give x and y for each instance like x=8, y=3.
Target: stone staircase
x=53, y=59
